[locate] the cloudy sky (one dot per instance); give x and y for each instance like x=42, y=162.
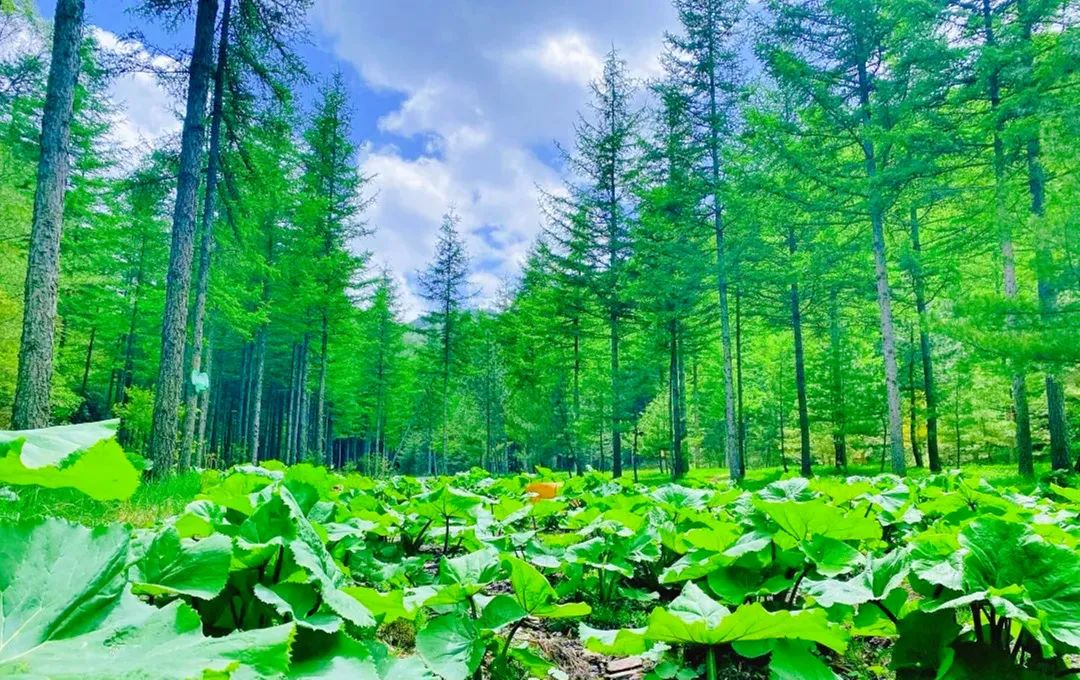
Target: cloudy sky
x=456, y=103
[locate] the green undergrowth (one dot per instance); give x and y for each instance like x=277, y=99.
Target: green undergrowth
x=300, y=572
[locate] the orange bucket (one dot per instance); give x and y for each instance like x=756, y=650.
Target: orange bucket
x=542, y=490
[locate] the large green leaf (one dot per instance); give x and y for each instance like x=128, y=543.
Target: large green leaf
x=85, y=457
x=879, y=577
x=1023, y=577
x=141, y=641
x=278, y=522
x=620, y=642
x=63, y=614
x=452, y=646
x=536, y=596
x=803, y=520
x=694, y=617
x=57, y=580
x=171, y=565
x=346, y=659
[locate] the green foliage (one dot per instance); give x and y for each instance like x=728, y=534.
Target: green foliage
x=272, y=565
x=84, y=457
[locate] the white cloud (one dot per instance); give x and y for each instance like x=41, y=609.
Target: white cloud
x=143, y=112
x=566, y=56
x=486, y=83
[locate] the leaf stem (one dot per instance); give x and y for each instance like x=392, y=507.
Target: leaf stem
x=885, y=610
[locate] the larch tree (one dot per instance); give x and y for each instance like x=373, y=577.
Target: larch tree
x=206, y=245
x=34, y=383
x=865, y=66
x=705, y=59
x=170, y=381
x=332, y=187
x=602, y=163
x=445, y=287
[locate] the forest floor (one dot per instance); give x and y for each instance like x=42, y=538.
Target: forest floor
x=156, y=500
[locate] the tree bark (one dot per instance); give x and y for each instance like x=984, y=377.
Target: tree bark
x=256, y=396
x=884, y=294
x=1021, y=412
x=836, y=365
x=800, y=366
x=320, y=398
x=1047, y=292
x=206, y=245
x=616, y=401
x=33, y=387
x=913, y=420
x=678, y=458
x=740, y=418
x=303, y=431
x=925, y=349
x=170, y=380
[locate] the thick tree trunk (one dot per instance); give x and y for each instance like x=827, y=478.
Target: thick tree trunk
x=888, y=345
x=836, y=358
x=800, y=367
x=170, y=380
x=33, y=388
x=925, y=348
x=206, y=245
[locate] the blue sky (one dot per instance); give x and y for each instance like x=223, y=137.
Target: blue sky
x=456, y=103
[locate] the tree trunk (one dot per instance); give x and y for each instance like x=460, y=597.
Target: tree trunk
x=678, y=461
x=836, y=365
x=33, y=388
x=800, y=367
x=913, y=420
x=884, y=294
x=303, y=433
x=206, y=245
x=256, y=396
x=579, y=458
x=320, y=399
x=731, y=434
x=925, y=349
x=87, y=363
x=741, y=415
x=1021, y=412
x=1047, y=291
x=204, y=411
x=616, y=402
x=170, y=380
x=734, y=461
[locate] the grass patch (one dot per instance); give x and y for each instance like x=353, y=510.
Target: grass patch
x=151, y=503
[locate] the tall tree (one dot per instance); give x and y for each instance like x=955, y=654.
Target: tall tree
x=705, y=58
x=332, y=186
x=605, y=148
x=170, y=381
x=863, y=65
x=206, y=245
x=34, y=383
x=445, y=286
